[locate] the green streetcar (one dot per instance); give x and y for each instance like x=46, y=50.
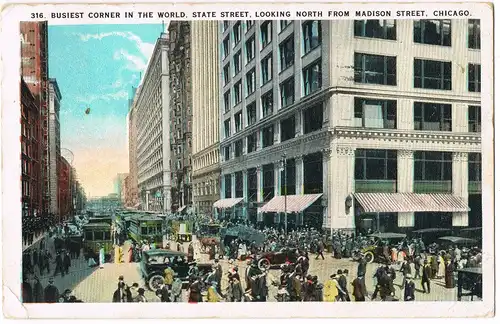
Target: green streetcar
x=97, y=235
x=146, y=228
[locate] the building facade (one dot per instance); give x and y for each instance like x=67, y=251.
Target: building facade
x=35, y=71
x=181, y=114
x=152, y=117
x=54, y=144
x=205, y=150
x=132, y=199
x=119, y=185
x=65, y=186
x=354, y=114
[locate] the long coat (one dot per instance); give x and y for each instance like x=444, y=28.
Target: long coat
x=330, y=291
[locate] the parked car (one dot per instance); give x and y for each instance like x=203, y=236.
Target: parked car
x=376, y=252
x=269, y=259
x=154, y=262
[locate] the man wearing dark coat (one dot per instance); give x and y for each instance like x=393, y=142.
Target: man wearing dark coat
x=449, y=276
x=121, y=295
x=190, y=255
x=342, y=280
x=426, y=277
x=165, y=294
x=359, y=289
x=51, y=293
x=27, y=291
x=66, y=262
x=37, y=291
x=406, y=270
x=195, y=292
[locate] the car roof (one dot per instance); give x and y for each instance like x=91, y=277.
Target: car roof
x=161, y=252
x=90, y=225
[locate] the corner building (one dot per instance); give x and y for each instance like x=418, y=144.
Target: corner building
x=376, y=122
x=152, y=118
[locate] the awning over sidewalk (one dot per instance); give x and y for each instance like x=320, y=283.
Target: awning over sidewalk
x=410, y=202
x=181, y=209
x=137, y=205
x=227, y=202
x=294, y=203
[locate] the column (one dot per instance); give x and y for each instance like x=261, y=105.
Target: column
x=342, y=180
x=460, y=182
x=298, y=123
x=233, y=185
x=147, y=199
x=326, y=185
x=277, y=178
x=299, y=175
x=245, y=194
x=405, y=184
x=222, y=186
x=277, y=133
x=258, y=169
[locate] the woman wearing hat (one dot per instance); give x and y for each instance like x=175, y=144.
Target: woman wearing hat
x=331, y=292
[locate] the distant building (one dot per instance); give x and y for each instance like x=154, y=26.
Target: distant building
x=65, y=187
x=118, y=184
x=54, y=144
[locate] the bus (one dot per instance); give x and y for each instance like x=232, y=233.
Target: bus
x=145, y=228
x=95, y=236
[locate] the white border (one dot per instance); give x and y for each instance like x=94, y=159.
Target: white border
x=11, y=171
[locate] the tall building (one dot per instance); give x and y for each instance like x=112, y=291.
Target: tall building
x=205, y=150
x=375, y=123
x=34, y=71
x=65, y=188
x=181, y=114
x=118, y=184
x=54, y=139
x=132, y=199
x=152, y=116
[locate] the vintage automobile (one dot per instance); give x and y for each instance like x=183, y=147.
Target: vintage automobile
x=375, y=252
x=154, y=263
x=470, y=283
x=271, y=259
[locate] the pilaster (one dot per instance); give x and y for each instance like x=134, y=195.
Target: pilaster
x=233, y=185
x=342, y=180
x=460, y=181
x=260, y=184
x=326, y=184
x=277, y=178
x=405, y=165
x=299, y=175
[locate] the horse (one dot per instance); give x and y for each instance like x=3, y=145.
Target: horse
x=208, y=242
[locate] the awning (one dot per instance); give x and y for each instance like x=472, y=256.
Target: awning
x=227, y=202
x=410, y=202
x=294, y=203
x=137, y=205
x=181, y=209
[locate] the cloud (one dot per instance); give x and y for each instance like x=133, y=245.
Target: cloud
x=122, y=94
x=134, y=62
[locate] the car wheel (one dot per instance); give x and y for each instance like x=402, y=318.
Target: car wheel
x=369, y=257
x=155, y=282
x=264, y=264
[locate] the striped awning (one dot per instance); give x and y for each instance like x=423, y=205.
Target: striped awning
x=294, y=203
x=181, y=209
x=410, y=202
x=227, y=202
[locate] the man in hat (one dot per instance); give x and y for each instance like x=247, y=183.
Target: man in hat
x=66, y=262
x=59, y=265
x=176, y=292
x=342, y=280
x=140, y=297
x=190, y=255
x=37, y=290
x=51, y=293
x=426, y=277
x=408, y=291
x=406, y=270
x=218, y=275
x=359, y=289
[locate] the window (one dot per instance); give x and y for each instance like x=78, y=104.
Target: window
x=225, y=47
x=287, y=89
x=285, y=23
x=267, y=136
x=238, y=148
x=238, y=121
x=227, y=128
x=250, y=82
x=474, y=77
x=251, y=113
x=432, y=74
x=432, y=166
x=237, y=62
x=432, y=32
x=252, y=143
x=375, y=28
x=227, y=184
x=313, y=118
x=250, y=23
x=266, y=33
x=474, y=34
x=432, y=116
x=266, y=66
x=374, y=69
x=267, y=104
x=237, y=93
x=227, y=153
x=250, y=49
x=312, y=78
x=237, y=33
x=227, y=101
x=238, y=182
x=474, y=166
x=374, y=113
x=376, y=165
x=225, y=25
x=287, y=128
x=311, y=33
x=287, y=53
x=474, y=119
x=226, y=73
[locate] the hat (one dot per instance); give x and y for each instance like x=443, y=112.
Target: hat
x=346, y=271
x=333, y=275
x=216, y=260
x=141, y=290
x=120, y=278
x=51, y=279
x=339, y=272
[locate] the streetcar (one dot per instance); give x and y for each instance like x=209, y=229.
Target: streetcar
x=145, y=228
x=95, y=236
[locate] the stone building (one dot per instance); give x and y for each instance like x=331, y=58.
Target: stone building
x=54, y=144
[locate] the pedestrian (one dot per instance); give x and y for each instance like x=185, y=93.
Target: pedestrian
x=168, y=274
x=359, y=291
x=140, y=297
x=101, y=256
x=195, y=291
x=426, y=277
x=212, y=294
x=330, y=290
x=319, y=250
x=51, y=293
x=441, y=266
x=190, y=255
x=449, y=274
x=37, y=291
x=59, y=265
x=408, y=291
x=66, y=262
x=406, y=270
x=417, y=263
x=342, y=279
x=176, y=290
x=27, y=291
x=218, y=275
x=164, y=294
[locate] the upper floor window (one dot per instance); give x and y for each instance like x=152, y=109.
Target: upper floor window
x=266, y=66
x=250, y=49
x=287, y=53
x=251, y=113
x=287, y=89
x=238, y=121
x=252, y=143
x=432, y=116
x=267, y=104
x=376, y=165
x=474, y=34
x=237, y=62
x=237, y=33
x=238, y=148
x=312, y=78
x=267, y=136
x=266, y=33
x=237, y=93
x=227, y=101
x=432, y=32
x=227, y=128
x=249, y=24
x=432, y=74
x=474, y=166
x=227, y=153
x=311, y=33
x=285, y=23
x=374, y=113
x=287, y=128
x=474, y=77
x=474, y=118
x=225, y=25
x=250, y=78
x=432, y=166
x=225, y=47
x=376, y=28
x=313, y=118
x=226, y=73
x=374, y=69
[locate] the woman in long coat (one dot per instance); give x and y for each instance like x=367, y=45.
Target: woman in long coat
x=101, y=256
x=130, y=253
x=330, y=290
x=441, y=267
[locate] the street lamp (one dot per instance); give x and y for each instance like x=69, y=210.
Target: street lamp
x=285, y=187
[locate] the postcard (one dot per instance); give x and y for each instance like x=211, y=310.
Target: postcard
x=211, y=155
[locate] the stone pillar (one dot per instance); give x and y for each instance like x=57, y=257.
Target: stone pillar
x=326, y=185
x=147, y=199
x=233, y=185
x=405, y=184
x=277, y=133
x=299, y=175
x=277, y=178
x=222, y=186
x=460, y=182
x=298, y=123
x=245, y=194
x=342, y=180
x=459, y=121
x=260, y=183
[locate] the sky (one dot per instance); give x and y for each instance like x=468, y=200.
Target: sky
x=95, y=67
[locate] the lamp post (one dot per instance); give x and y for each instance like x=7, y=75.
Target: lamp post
x=285, y=187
